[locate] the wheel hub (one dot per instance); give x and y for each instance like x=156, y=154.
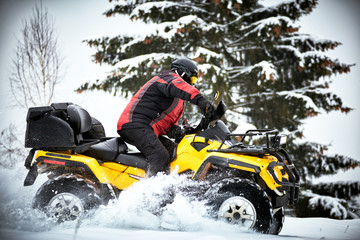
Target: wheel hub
x=65, y=207
x=238, y=210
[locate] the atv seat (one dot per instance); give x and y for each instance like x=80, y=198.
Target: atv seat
x=107, y=150
x=61, y=127
x=132, y=159
x=80, y=121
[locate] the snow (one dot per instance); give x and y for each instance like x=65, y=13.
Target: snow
x=259, y=26
x=307, y=38
x=329, y=203
x=206, y=52
x=145, y=8
x=313, y=56
x=309, y=103
x=160, y=29
x=296, y=52
x=132, y=216
x=268, y=70
x=136, y=61
x=295, y=229
x=204, y=68
x=243, y=127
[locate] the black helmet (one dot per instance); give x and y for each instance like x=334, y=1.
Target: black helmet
x=186, y=69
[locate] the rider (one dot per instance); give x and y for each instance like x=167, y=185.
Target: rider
x=155, y=110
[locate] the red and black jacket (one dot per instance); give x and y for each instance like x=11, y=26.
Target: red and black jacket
x=159, y=103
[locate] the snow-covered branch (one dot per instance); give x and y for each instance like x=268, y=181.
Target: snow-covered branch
x=334, y=205
x=133, y=63
x=265, y=25
x=146, y=8
x=268, y=70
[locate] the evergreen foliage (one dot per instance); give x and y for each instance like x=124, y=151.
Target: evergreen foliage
x=337, y=189
x=269, y=74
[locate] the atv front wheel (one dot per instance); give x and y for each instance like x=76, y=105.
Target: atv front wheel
x=279, y=217
x=238, y=210
x=242, y=202
x=65, y=198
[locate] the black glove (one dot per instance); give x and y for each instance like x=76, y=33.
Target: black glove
x=206, y=107
x=176, y=133
x=189, y=130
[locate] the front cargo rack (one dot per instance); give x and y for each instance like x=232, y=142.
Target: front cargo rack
x=274, y=141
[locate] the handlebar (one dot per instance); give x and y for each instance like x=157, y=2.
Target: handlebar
x=205, y=121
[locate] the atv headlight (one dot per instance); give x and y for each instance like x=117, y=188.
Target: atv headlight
x=283, y=141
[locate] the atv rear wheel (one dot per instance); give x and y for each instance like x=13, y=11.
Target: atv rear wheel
x=65, y=207
x=242, y=202
x=65, y=198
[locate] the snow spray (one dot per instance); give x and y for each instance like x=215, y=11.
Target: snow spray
x=162, y=202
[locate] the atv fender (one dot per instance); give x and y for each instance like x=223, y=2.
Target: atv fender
x=245, y=163
x=90, y=165
x=224, y=162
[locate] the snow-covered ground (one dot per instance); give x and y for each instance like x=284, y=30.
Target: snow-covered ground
x=295, y=228
x=129, y=217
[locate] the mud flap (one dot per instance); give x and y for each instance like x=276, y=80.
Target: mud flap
x=31, y=176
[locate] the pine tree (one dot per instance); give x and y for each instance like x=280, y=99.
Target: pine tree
x=269, y=74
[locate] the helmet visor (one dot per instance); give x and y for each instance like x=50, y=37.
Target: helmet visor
x=193, y=79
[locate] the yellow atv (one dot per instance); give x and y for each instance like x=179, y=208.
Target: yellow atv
x=248, y=185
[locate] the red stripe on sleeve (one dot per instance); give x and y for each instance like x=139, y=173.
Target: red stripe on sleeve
x=184, y=86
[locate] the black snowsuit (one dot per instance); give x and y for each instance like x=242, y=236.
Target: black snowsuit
x=154, y=109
